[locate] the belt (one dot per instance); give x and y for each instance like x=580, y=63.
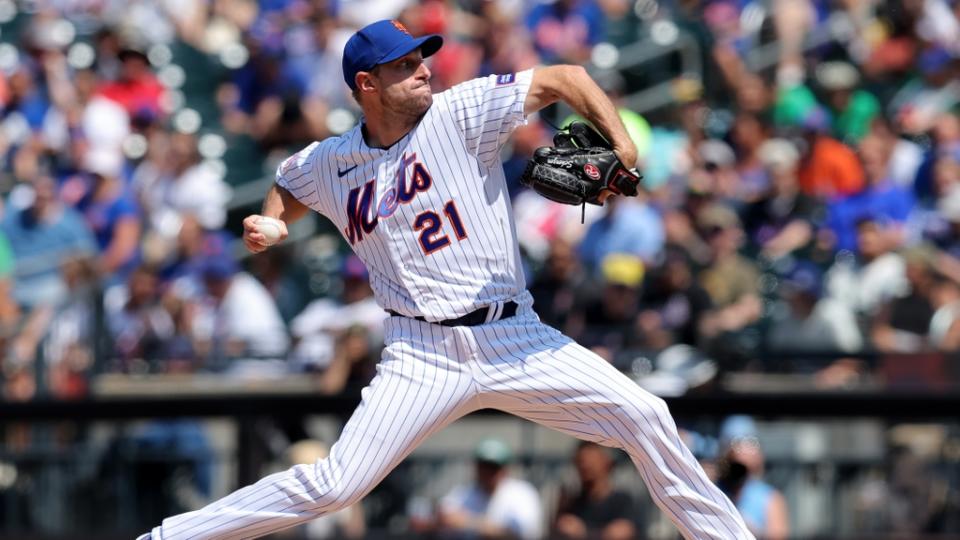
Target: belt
x=487, y=314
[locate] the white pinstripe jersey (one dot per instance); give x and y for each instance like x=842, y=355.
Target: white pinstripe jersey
x=430, y=215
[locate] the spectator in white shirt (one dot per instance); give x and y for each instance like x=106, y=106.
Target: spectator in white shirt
x=495, y=505
x=240, y=319
x=875, y=276
x=172, y=181
x=317, y=327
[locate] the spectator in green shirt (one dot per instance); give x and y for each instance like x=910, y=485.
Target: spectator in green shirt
x=6, y=258
x=9, y=310
x=852, y=109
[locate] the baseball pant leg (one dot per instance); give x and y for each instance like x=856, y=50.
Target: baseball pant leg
x=417, y=391
x=535, y=372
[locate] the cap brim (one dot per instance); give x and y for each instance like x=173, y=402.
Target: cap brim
x=428, y=45
x=130, y=53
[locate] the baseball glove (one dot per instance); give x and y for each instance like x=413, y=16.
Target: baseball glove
x=578, y=168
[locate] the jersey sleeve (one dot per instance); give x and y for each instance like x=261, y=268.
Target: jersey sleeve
x=300, y=175
x=488, y=109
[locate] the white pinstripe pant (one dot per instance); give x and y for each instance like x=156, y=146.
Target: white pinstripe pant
x=431, y=375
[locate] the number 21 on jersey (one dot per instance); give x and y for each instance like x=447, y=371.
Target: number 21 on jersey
x=429, y=225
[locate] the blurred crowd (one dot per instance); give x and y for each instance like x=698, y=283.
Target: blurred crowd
x=799, y=214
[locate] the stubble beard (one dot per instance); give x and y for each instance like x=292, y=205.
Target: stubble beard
x=411, y=109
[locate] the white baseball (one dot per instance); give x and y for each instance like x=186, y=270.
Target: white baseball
x=270, y=229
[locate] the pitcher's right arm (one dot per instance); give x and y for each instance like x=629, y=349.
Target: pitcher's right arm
x=279, y=204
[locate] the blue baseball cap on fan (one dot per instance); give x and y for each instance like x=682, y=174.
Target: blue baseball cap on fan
x=382, y=42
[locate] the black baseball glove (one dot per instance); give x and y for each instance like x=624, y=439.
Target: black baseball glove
x=577, y=169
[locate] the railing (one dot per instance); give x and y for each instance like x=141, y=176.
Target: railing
x=141, y=484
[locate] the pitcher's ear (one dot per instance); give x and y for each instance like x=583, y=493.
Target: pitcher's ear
x=365, y=82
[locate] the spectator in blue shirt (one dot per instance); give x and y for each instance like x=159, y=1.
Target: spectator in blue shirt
x=881, y=200
x=194, y=246
x=629, y=226
x=565, y=30
x=112, y=215
x=41, y=236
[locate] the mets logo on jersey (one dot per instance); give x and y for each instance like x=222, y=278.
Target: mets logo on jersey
x=399, y=26
x=363, y=213
x=592, y=171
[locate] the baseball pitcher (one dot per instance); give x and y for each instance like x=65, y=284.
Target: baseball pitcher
x=417, y=189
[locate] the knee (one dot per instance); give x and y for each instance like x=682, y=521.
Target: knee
x=333, y=491
x=646, y=411
x=657, y=406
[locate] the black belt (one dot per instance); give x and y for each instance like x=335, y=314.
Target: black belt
x=474, y=318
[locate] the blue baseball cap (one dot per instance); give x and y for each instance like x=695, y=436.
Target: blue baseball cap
x=381, y=42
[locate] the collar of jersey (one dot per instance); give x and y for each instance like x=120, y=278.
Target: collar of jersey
x=363, y=141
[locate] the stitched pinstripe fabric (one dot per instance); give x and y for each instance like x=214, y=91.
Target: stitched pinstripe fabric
x=431, y=375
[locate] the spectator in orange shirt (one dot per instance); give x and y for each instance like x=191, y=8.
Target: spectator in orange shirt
x=830, y=168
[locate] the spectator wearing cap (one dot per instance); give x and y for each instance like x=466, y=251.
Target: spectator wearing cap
x=902, y=323
x=41, y=235
x=317, y=329
x=595, y=508
x=731, y=279
x=781, y=222
x=881, y=198
x=112, y=213
x=239, y=320
x=810, y=323
x=605, y=323
x=715, y=176
x=828, y=168
x=136, y=87
x=762, y=506
x=495, y=505
x=852, y=109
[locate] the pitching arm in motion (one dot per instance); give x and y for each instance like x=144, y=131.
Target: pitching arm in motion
x=573, y=86
x=279, y=204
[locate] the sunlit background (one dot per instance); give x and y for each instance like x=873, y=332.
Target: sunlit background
x=790, y=282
